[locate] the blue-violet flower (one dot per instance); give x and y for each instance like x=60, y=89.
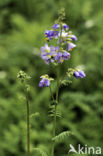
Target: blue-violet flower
x=79, y=74
x=45, y=81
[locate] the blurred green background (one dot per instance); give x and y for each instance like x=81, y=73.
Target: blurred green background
x=22, y=26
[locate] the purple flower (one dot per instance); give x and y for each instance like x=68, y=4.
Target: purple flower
x=49, y=34
x=46, y=48
x=44, y=83
x=73, y=37
x=70, y=46
x=52, y=54
x=82, y=74
x=79, y=74
x=59, y=57
x=56, y=33
x=48, y=53
x=55, y=26
x=52, y=50
x=65, y=26
x=66, y=55
x=76, y=74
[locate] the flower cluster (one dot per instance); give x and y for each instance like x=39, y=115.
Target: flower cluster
x=45, y=81
x=51, y=54
x=57, y=54
x=63, y=38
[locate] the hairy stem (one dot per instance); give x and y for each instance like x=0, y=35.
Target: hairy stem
x=51, y=93
x=55, y=110
x=54, y=130
x=56, y=103
x=28, y=125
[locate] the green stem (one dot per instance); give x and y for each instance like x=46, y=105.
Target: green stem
x=51, y=93
x=57, y=91
x=56, y=103
x=54, y=131
x=28, y=125
x=55, y=110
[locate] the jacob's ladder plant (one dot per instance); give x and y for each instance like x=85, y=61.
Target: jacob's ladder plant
x=56, y=55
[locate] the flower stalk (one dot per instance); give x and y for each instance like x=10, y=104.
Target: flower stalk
x=51, y=93
x=54, y=130
x=57, y=92
x=28, y=124
x=23, y=77
x=55, y=112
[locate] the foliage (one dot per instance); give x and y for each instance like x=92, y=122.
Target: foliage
x=41, y=152
x=61, y=137
x=81, y=103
